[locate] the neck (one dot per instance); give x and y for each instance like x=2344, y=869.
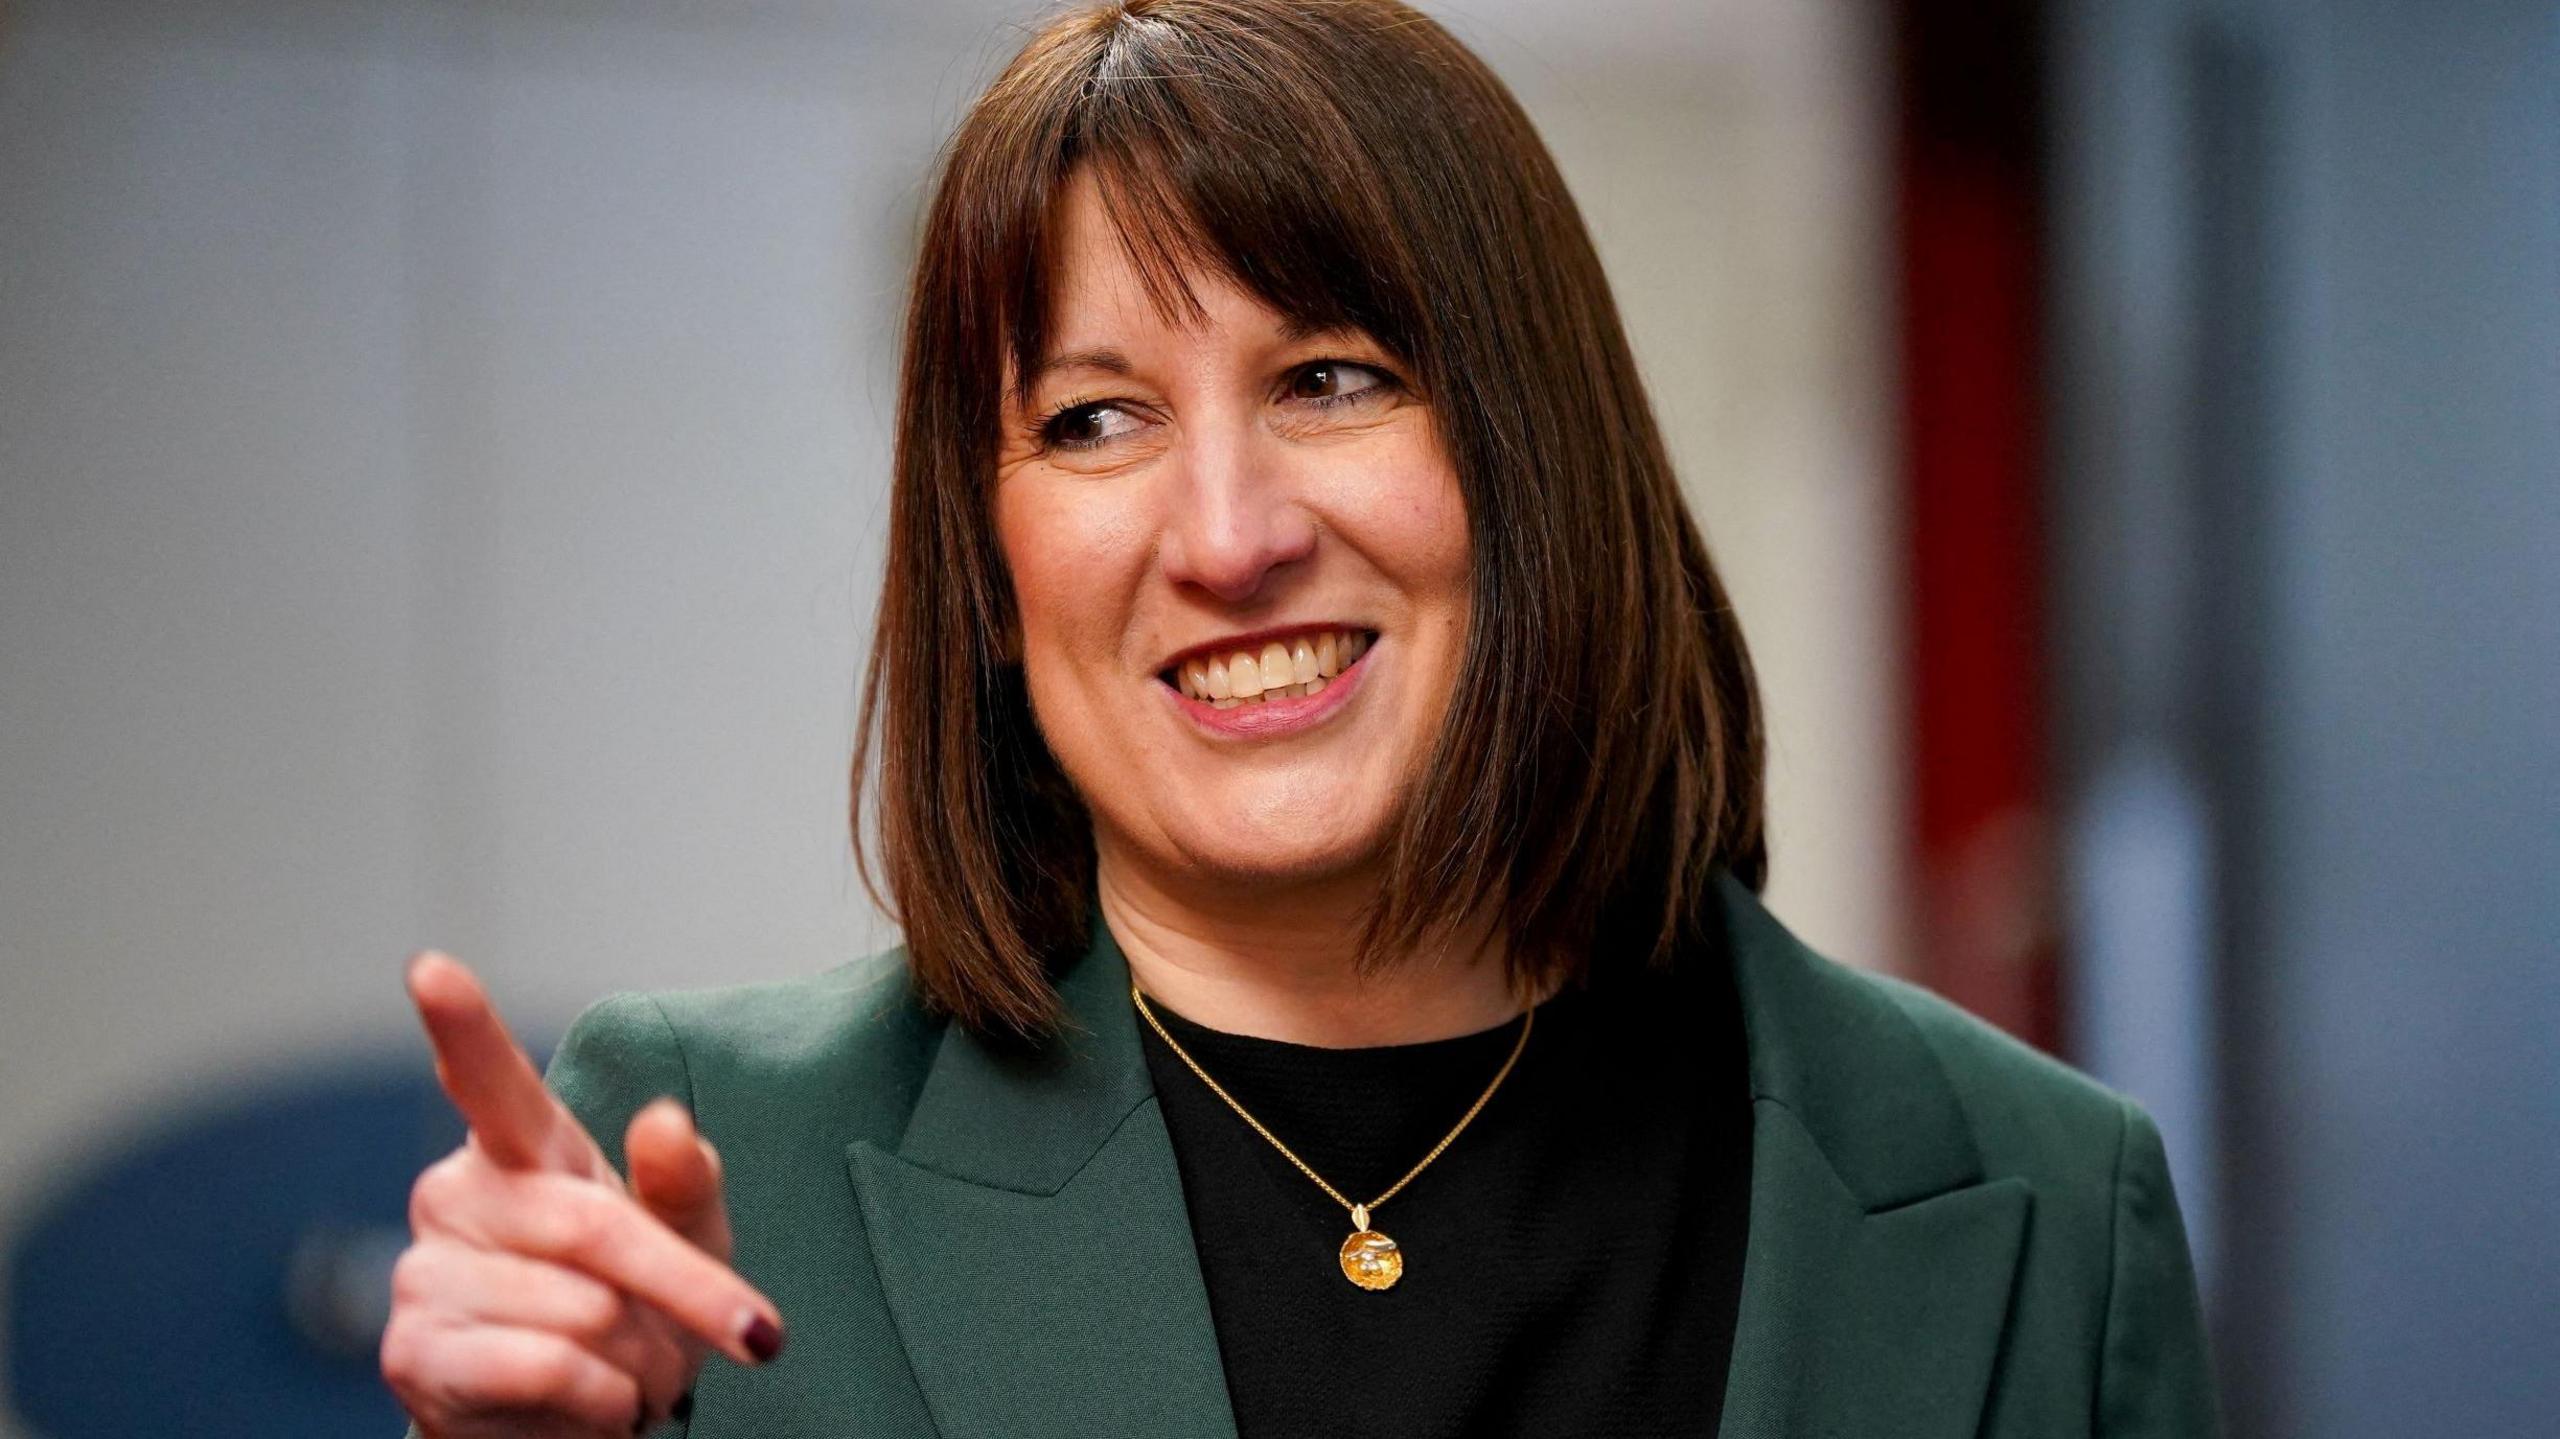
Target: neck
x=1277, y=963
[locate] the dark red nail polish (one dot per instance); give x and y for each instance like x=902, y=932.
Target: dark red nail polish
x=763, y=1339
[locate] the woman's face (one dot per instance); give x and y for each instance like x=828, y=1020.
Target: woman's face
x=1241, y=562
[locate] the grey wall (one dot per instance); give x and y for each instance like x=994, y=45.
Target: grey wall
x=2308, y=368
x=442, y=447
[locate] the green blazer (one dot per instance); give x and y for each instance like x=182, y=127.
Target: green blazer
x=1950, y=1234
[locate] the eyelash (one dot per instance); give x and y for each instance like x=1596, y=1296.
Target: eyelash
x=1044, y=429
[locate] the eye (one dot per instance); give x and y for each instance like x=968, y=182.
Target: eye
x=1332, y=382
x=1087, y=425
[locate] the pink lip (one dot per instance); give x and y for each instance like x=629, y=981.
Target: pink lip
x=1273, y=718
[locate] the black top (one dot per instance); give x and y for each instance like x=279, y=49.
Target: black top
x=1572, y=1264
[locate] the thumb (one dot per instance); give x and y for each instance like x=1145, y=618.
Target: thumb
x=675, y=1174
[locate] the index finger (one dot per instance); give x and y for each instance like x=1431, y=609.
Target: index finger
x=481, y=1067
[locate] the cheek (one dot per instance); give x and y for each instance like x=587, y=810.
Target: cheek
x=1405, y=514
x=1074, y=560
x=1442, y=548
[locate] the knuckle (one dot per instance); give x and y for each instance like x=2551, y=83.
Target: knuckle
x=413, y=1276
x=550, y=1374
x=439, y=1190
x=540, y=1372
x=590, y=1310
x=403, y=1354
x=571, y=1223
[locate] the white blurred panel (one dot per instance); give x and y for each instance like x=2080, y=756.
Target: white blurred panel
x=1729, y=158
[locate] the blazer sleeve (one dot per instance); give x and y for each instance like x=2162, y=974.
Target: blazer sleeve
x=2154, y=1378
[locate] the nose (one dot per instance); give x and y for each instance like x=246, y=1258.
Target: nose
x=1234, y=518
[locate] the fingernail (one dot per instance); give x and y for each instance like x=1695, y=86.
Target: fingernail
x=763, y=1339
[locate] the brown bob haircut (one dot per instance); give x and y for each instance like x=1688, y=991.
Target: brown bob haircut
x=1349, y=164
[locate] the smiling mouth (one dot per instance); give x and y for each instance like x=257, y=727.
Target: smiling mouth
x=1277, y=669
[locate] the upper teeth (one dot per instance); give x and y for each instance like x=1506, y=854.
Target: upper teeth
x=1279, y=670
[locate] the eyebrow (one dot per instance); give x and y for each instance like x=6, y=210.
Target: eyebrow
x=1112, y=362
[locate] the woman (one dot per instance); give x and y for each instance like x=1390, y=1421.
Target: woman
x=1319, y=776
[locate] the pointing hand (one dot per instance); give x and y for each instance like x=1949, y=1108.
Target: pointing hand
x=540, y=1295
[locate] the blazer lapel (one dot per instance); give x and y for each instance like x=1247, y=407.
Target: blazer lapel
x=1031, y=1239
x=1030, y=1234
x=1876, y=1283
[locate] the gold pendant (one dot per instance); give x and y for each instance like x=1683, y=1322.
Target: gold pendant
x=1370, y=1259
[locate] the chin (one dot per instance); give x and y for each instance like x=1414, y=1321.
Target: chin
x=1288, y=850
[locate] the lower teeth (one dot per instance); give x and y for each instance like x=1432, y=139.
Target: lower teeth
x=1282, y=692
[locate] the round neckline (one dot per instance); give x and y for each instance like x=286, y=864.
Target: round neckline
x=1192, y=1033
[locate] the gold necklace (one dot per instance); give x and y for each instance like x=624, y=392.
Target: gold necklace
x=1369, y=1259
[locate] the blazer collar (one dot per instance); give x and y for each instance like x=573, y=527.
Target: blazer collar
x=1032, y=1242
x=1027, y=1119
x=1875, y=1285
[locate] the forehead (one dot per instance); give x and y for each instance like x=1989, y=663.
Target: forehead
x=1111, y=274
x=1115, y=288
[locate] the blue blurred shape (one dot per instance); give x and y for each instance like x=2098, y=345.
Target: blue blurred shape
x=226, y=1272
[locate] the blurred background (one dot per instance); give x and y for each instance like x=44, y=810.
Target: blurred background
x=442, y=459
